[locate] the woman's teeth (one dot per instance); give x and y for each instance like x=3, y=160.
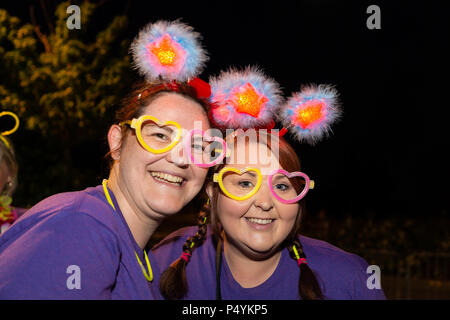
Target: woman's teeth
x=260, y=221
x=165, y=177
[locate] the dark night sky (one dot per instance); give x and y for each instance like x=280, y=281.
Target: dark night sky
x=387, y=155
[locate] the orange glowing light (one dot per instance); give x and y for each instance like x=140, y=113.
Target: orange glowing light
x=249, y=101
x=309, y=115
x=165, y=52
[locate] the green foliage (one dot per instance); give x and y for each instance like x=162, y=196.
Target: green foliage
x=63, y=86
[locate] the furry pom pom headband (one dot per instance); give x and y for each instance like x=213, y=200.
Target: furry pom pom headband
x=249, y=99
x=170, y=51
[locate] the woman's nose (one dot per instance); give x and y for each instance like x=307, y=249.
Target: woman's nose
x=178, y=155
x=263, y=198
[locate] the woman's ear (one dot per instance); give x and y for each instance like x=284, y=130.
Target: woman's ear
x=115, y=141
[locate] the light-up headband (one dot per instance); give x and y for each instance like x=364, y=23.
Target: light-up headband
x=308, y=114
x=249, y=99
x=244, y=99
x=170, y=51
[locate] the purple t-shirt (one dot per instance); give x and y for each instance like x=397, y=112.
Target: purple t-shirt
x=73, y=245
x=341, y=275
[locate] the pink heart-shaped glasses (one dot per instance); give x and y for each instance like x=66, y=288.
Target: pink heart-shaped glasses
x=207, y=138
x=308, y=185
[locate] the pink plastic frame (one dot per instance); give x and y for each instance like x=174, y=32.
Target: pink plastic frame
x=207, y=138
x=290, y=175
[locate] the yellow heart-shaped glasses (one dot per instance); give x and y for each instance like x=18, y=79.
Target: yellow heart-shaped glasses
x=239, y=189
x=243, y=184
x=155, y=136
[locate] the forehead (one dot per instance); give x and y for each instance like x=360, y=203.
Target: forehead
x=178, y=108
x=257, y=154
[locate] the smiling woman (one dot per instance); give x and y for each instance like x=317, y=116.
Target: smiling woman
x=153, y=186
x=89, y=244
x=254, y=249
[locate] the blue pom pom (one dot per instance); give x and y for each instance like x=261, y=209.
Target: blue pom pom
x=309, y=114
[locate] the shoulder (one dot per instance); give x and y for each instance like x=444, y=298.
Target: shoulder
x=64, y=213
x=343, y=275
x=176, y=237
x=170, y=248
x=65, y=201
x=321, y=250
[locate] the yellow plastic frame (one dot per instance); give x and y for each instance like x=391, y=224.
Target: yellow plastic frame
x=8, y=132
x=137, y=123
x=12, y=114
x=218, y=178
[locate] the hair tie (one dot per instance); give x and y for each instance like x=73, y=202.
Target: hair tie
x=300, y=261
x=185, y=256
x=294, y=248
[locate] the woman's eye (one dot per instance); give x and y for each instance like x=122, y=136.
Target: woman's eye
x=245, y=184
x=161, y=136
x=281, y=187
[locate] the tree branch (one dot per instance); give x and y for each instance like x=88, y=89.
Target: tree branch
x=46, y=16
x=37, y=29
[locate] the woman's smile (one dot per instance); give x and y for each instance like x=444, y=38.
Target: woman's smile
x=168, y=178
x=259, y=223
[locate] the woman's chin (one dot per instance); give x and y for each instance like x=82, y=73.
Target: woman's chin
x=256, y=251
x=167, y=206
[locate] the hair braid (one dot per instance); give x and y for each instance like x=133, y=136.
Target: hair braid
x=308, y=286
x=173, y=284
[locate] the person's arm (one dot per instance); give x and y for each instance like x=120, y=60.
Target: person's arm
x=70, y=256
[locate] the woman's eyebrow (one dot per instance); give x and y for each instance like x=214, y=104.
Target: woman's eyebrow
x=279, y=177
x=169, y=129
x=165, y=128
x=250, y=173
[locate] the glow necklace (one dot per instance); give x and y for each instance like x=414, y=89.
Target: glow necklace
x=149, y=275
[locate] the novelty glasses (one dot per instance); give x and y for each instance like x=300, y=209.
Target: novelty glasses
x=8, y=132
x=286, y=187
x=158, y=137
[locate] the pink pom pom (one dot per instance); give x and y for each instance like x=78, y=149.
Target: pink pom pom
x=244, y=99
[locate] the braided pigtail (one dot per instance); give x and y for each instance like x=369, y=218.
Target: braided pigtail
x=308, y=286
x=173, y=284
